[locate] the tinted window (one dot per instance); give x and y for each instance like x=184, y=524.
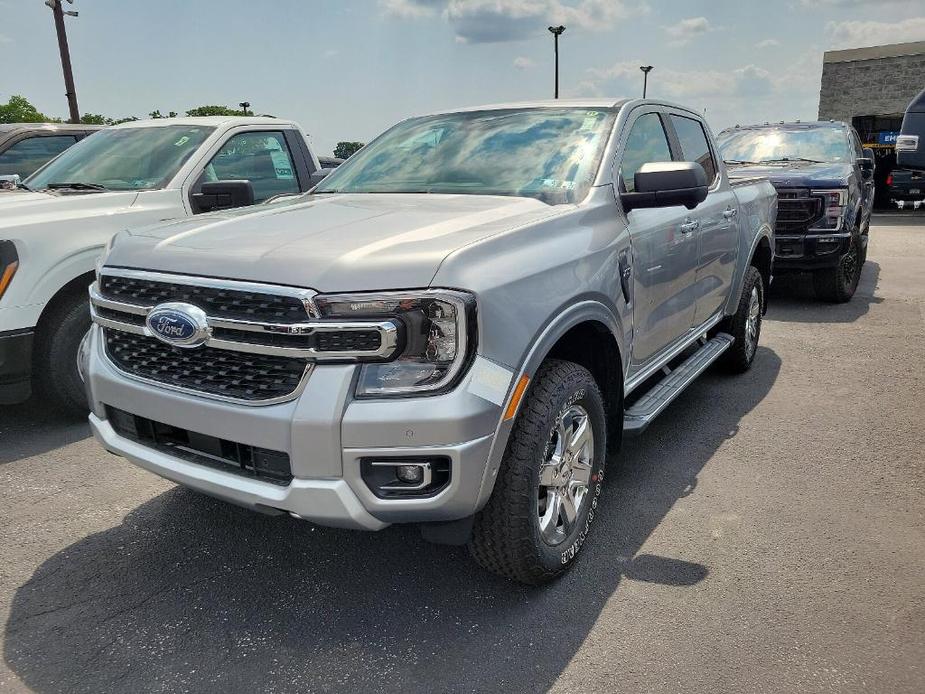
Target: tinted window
x=646, y=143
x=551, y=154
x=26, y=156
x=694, y=145
x=262, y=158
x=125, y=158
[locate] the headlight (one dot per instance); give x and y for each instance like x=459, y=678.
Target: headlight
x=438, y=338
x=9, y=263
x=834, y=204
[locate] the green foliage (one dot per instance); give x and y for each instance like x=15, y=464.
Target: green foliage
x=19, y=110
x=94, y=119
x=345, y=149
x=214, y=111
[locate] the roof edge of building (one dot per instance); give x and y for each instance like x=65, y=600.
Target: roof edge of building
x=893, y=50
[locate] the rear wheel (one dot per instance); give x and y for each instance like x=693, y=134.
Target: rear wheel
x=546, y=495
x=58, y=344
x=839, y=283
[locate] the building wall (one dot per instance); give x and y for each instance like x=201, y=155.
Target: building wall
x=880, y=80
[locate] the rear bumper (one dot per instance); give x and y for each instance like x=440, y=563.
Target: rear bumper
x=15, y=366
x=810, y=252
x=326, y=434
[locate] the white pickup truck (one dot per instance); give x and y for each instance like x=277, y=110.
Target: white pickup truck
x=54, y=228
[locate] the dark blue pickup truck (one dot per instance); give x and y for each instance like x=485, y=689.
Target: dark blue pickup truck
x=825, y=188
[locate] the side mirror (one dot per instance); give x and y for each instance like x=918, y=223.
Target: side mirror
x=667, y=184
x=9, y=181
x=867, y=166
x=318, y=176
x=223, y=195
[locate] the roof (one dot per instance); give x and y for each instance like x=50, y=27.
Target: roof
x=795, y=125
x=543, y=103
x=209, y=121
x=10, y=127
x=893, y=50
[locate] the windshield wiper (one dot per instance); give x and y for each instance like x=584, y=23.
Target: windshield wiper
x=77, y=186
x=741, y=161
x=812, y=161
x=24, y=187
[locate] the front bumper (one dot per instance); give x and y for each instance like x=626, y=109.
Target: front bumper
x=810, y=252
x=15, y=366
x=326, y=434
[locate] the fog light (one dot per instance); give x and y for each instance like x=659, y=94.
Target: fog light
x=410, y=474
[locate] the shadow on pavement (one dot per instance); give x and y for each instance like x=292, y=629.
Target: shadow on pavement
x=792, y=299
x=192, y=594
x=33, y=428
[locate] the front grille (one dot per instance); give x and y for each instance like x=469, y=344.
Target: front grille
x=221, y=454
x=226, y=373
x=797, y=210
x=236, y=304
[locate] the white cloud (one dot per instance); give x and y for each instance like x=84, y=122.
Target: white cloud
x=686, y=29
x=5, y=39
x=493, y=21
x=523, y=63
x=768, y=43
x=857, y=34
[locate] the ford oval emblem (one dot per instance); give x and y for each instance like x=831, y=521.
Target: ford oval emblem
x=179, y=324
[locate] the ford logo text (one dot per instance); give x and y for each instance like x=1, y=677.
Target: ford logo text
x=179, y=324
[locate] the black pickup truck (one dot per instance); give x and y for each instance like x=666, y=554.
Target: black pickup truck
x=825, y=188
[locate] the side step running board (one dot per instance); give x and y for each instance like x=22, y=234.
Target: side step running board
x=650, y=405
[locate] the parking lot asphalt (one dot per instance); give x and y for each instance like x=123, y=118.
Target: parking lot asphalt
x=766, y=534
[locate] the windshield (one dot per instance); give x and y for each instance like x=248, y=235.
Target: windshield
x=549, y=154
x=123, y=159
x=785, y=144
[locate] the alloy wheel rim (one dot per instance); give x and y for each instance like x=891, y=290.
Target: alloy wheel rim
x=565, y=474
x=850, y=266
x=752, y=322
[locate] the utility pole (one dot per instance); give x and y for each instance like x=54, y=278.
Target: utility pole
x=646, y=69
x=71, y=92
x=556, y=32
x=245, y=105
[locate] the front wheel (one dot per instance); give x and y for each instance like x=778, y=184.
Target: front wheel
x=546, y=495
x=839, y=283
x=745, y=324
x=58, y=345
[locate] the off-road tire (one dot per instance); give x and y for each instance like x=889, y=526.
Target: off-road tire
x=739, y=357
x=838, y=284
x=57, y=343
x=506, y=537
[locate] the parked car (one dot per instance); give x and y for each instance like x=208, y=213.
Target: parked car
x=825, y=187
x=910, y=145
x=452, y=330
x=124, y=176
x=906, y=185
x=24, y=147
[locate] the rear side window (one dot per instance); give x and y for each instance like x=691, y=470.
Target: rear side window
x=262, y=158
x=26, y=156
x=694, y=145
x=646, y=143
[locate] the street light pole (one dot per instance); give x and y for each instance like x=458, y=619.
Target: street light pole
x=556, y=32
x=646, y=69
x=245, y=105
x=71, y=92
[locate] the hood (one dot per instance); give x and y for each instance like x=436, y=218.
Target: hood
x=798, y=174
x=329, y=243
x=24, y=207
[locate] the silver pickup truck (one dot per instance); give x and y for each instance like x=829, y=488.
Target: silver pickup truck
x=451, y=330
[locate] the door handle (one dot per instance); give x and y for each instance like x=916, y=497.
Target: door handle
x=690, y=227
x=730, y=213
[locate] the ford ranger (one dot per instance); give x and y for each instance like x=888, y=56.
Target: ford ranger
x=452, y=330
x=52, y=233
x=825, y=188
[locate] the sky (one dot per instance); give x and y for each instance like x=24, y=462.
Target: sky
x=348, y=69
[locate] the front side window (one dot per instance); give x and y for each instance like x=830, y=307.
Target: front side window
x=645, y=144
x=123, y=158
x=26, y=156
x=694, y=146
x=795, y=143
x=262, y=158
x=549, y=154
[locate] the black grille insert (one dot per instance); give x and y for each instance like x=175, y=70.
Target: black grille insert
x=248, y=377
x=221, y=454
x=797, y=210
x=219, y=302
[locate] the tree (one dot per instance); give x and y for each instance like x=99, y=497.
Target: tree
x=19, y=110
x=345, y=149
x=214, y=111
x=95, y=119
